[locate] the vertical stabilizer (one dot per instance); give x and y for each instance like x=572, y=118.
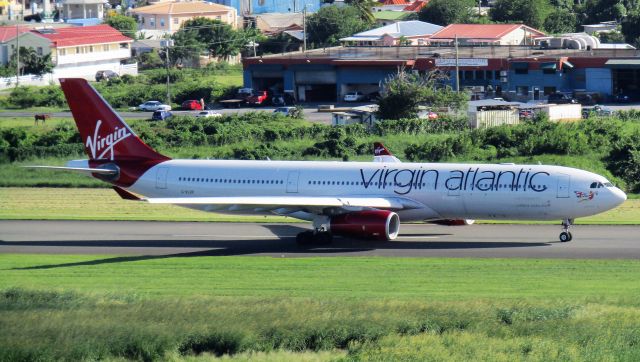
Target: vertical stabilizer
x=104, y=134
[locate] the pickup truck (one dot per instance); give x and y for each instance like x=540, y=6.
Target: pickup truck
x=258, y=98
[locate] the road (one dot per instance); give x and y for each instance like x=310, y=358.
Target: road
x=278, y=240
x=310, y=113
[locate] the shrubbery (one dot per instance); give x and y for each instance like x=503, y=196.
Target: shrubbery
x=24, y=97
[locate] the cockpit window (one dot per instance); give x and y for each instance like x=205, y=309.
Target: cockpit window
x=593, y=185
x=608, y=184
x=599, y=185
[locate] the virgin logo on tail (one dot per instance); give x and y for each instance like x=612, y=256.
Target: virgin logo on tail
x=99, y=145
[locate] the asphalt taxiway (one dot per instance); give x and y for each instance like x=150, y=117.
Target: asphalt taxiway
x=220, y=239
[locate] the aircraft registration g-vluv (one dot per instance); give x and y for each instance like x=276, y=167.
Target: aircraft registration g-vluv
x=356, y=199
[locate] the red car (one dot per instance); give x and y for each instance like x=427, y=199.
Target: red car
x=191, y=105
x=258, y=98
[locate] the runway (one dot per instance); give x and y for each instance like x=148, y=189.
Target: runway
x=278, y=240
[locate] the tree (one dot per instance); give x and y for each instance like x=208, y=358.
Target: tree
x=612, y=37
x=330, y=23
x=364, y=8
x=528, y=12
x=445, y=12
x=404, y=92
x=561, y=21
x=124, y=24
x=31, y=62
x=218, y=39
x=631, y=28
x=606, y=10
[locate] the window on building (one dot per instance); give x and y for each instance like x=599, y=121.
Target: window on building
x=468, y=74
x=176, y=21
x=105, y=47
x=39, y=51
x=124, y=46
x=479, y=74
x=78, y=50
x=489, y=74
x=62, y=51
x=522, y=90
x=90, y=48
x=548, y=71
x=549, y=90
x=218, y=16
x=522, y=70
x=152, y=22
x=142, y=20
x=162, y=23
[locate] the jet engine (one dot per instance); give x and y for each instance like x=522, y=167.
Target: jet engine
x=371, y=224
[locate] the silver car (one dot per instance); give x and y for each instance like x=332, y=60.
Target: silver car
x=152, y=106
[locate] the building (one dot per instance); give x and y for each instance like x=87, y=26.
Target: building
x=82, y=12
x=276, y=23
x=7, y=41
x=386, y=17
x=487, y=34
x=250, y=7
x=516, y=73
x=80, y=51
x=603, y=27
x=165, y=18
x=412, y=32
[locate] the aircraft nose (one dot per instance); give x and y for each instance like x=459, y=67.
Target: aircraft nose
x=618, y=195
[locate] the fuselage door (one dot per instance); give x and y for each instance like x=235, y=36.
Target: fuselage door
x=292, y=182
x=161, y=177
x=563, y=186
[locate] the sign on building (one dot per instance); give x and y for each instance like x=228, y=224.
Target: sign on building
x=462, y=62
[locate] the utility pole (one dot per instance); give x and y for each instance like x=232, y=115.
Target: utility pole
x=167, y=44
x=304, y=29
x=457, y=67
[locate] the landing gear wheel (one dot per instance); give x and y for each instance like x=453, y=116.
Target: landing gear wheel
x=565, y=237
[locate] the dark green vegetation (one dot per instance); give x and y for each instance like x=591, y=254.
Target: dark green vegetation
x=210, y=84
x=149, y=308
x=608, y=146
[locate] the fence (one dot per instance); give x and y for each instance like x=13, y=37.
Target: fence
x=52, y=78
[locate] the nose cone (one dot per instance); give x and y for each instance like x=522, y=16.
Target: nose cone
x=618, y=195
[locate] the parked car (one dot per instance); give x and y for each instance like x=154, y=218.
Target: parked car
x=353, y=97
x=208, y=114
x=525, y=114
x=561, y=98
x=161, y=115
x=191, y=105
x=622, y=98
x=258, y=98
x=287, y=111
x=106, y=75
x=597, y=110
x=154, y=106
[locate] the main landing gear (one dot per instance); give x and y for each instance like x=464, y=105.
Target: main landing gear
x=320, y=234
x=565, y=235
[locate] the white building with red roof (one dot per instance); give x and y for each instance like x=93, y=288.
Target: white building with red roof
x=488, y=34
x=7, y=41
x=79, y=51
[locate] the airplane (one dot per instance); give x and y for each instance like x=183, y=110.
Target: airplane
x=355, y=199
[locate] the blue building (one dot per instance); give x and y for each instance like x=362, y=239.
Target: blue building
x=520, y=73
x=250, y=7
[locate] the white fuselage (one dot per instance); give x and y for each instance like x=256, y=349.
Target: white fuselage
x=447, y=191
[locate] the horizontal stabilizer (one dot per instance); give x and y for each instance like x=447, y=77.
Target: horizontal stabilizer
x=88, y=170
x=126, y=195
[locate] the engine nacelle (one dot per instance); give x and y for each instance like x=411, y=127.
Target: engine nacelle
x=372, y=224
x=454, y=222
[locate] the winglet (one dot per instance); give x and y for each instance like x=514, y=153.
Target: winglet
x=382, y=154
x=126, y=195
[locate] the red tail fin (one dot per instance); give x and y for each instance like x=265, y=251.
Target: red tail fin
x=104, y=134
x=380, y=150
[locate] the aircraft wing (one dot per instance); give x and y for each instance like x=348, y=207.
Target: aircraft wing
x=290, y=204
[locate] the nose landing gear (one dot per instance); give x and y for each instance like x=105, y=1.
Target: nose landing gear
x=565, y=235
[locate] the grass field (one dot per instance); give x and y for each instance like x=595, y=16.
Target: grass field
x=377, y=309
x=105, y=204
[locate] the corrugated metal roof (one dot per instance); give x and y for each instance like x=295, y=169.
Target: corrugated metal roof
x=399, y=29
x=187, y=7
x=481, y=31
x=85, y=35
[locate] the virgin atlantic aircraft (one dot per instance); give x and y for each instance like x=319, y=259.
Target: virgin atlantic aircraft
x=357, y=199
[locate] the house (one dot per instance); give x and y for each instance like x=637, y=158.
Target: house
x=412, y=32
x=165, y=18
x=7, y=41
x=82, y=12
x=391, y=5
x=487, y=34
x=386, y=17
x=250, y=7
x=81, y=51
